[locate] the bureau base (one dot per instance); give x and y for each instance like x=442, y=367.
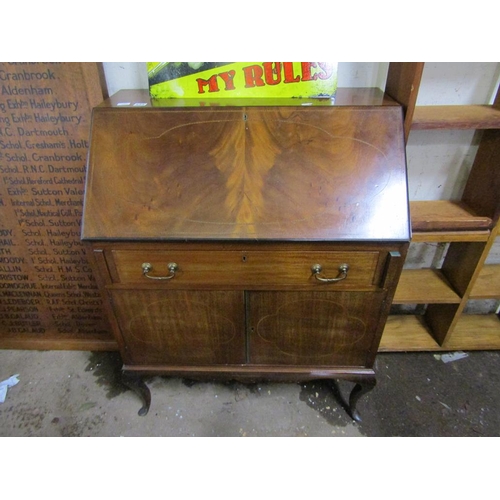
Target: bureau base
x=363, y=378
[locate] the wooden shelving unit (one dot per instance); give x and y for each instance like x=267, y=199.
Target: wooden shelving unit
x=430, y=283
x=456, y=117
x=446, y=216
x=468, y=225
x=487, y=285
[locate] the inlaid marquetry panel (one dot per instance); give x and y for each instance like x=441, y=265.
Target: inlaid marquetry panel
x=181, y=327
x=320, y=328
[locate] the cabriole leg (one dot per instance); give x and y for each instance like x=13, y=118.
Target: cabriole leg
x=361, y=388
x=135, y=383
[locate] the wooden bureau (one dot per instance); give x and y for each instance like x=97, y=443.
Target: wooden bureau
x=248, y=241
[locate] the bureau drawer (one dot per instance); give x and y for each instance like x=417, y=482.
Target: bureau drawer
x=248, y=268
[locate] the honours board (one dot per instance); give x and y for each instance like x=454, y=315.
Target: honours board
x=48, y=294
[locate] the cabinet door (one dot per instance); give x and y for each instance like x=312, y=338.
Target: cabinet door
x=181, y=327
x=312, y=328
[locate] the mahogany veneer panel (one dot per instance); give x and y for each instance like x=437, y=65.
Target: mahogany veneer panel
x=326, y=173
x=312, y=328
x=249, y=268
x=181, y=327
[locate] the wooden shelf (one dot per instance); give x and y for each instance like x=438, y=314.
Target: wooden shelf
x=424, y=286
x=407, y=333
x=450, y=236
x=410, y=333
x=475, y=332
x=446, y=216
x=456, y=117
x=487, y=285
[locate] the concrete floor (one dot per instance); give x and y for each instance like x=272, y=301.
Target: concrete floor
x=72, y=393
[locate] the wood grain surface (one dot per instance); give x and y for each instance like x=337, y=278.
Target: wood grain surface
x=184, y=327
x=318, y=328
x=333, y=173
x=249, y=268
x=49, y=298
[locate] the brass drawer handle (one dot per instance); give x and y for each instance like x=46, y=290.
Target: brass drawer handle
x=343, y=268
x=147, y=267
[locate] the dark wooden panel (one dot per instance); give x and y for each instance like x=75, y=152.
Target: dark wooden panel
x=403, y=82
x=48, y=294
x=254, y=373
x=318, y=328
x=482, y=191
x=461, y=264
x=289, y=173
x=181, y=327
x=441, y=319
